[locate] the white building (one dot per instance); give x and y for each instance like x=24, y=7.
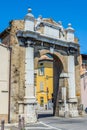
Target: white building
x=4, y=82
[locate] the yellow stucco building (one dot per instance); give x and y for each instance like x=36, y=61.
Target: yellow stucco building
x=44, y=82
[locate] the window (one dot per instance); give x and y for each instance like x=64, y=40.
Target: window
x=41, y=86
x=41, y=101
x=41, y=71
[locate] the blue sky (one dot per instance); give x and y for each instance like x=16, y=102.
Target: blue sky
x=67, y=11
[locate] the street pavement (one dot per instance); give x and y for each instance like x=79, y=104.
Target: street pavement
x=61, y=123
x=46, y=121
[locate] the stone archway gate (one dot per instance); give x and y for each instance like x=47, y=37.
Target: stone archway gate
x=49, y=36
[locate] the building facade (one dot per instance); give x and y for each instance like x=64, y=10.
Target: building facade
x=4, y=82
x=84, y=81
x=30, y=39
x=44, y=82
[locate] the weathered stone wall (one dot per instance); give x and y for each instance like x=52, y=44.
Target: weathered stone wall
x=17, y=79
x=15, y=26
x=17, y=70
x=78, y=84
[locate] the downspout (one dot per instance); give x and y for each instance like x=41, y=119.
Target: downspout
x=9, y=98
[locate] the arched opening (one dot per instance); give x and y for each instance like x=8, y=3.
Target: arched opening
x=47, y=89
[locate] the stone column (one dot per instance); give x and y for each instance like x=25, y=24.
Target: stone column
x=64, y=94
x=63, y=102
x=29, y=99
x=72, y=92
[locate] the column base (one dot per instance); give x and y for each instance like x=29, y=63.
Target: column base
x=30, y=118
x=30, y=113
x=63, y=111
x=73, y=112
x=68, y=109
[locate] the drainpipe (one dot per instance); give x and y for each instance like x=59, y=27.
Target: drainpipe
x=10, y=49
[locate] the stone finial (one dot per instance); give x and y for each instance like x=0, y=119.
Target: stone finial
x=60, y=22
x=29, y=15
x=29, y=20
x=40, y=16
x=69, y=24
x=29, y=10
x=70, y=33
x=70, y=28
x=39, y=19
